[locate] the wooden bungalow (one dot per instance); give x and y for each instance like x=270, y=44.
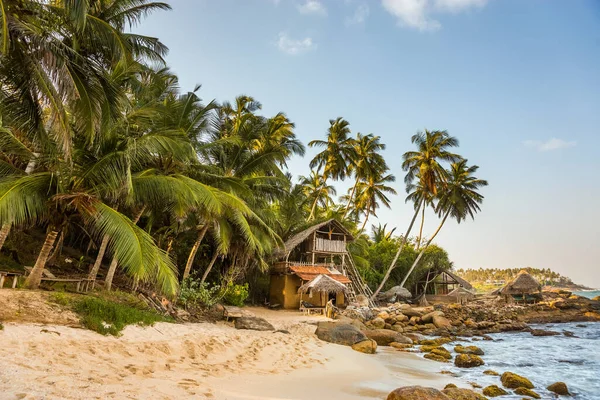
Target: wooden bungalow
x=524, y=288
x=317, y=251
x=437, y=286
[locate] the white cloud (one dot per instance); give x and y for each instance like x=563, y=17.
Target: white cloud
x=549, y=145
x=417, y=13
x=295, y=46
x=313, y=7
x=360, y=15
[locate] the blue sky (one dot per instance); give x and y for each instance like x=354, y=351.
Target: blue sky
x=517, y=81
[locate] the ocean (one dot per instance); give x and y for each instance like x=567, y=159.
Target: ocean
x=588, y=293
x=543, y=360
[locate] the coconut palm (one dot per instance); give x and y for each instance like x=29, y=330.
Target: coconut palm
x=366, y=161
x=459, y=198
x=424, y=164
x=380, y=233
x=372, y=193
x=317, y=191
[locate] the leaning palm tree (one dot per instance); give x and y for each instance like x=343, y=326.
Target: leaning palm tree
x=433, y=148
x=458, y=198
x=372, y=193
x=317, y=191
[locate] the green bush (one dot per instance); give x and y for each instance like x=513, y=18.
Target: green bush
x=236, y=295
x=61, y=298
x=1, y=326
x=107, y=317
x=192, y=292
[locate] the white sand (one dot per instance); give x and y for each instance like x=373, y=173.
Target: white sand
x=200, y=361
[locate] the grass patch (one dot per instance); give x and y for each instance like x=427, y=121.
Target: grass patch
x=109, y=312
x=1, y=326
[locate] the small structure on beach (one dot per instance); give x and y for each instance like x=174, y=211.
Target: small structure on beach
x=524, y=288
x=438, y=285
x=310, y=264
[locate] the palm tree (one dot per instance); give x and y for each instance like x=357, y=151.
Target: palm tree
x=433, y=147
x=373, y=192
x=366, y=161
x=317, y=191
x=335, y=158
x=380, y=233
x=458, y=198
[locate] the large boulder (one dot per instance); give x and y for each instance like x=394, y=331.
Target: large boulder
x=494, y=391
x=468, y=361
x=417, y=393
x=378, y=323
x=441, y=322
x=559, y=388
x=384, y=337
x=513, y=381
x=368, y=346
x=253, y=323
x=429, y=316
x=415, y=337
x=542, y=332
x=462, y=394
x=394, y=294
x=344, y=334
x=361, y=313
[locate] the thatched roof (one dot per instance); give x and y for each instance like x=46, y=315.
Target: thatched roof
x=300, y=237
x=460, y=280
x=522, y=284
x=310, y=272
x=323, y=284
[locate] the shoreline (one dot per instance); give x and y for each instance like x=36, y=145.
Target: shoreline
x=199, y=360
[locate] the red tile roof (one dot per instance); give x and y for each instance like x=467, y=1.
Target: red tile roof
x=309, y=272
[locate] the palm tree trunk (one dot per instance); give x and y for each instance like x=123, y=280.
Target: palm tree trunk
x=210, y=265
x=395, y=260
x=421, y=229
x=94, y=272
x=190, y=260
x=35, y=276
x=351, y=198
x=4, y=233
x=425, y=248
x=113, y=264
x=57, y=248
x=362, y=228
x=312, y=210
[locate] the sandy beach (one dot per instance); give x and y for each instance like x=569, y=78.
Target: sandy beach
x=212, y=361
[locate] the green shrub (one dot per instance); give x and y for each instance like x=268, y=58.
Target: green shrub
x=61, y=298
x=1, y=326
x=108, y=317
x=235, y=295
x=192, y=292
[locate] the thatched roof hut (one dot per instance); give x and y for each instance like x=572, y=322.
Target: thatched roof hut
x=323, y=284
x=521, y=285
x=332, y=226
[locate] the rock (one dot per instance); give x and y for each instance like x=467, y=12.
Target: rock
x=441, y=322
x=368, y=346
x=469, y=350
x=384, y=337
x=513, y=381
x=597, y=298
x=361, y=313
x=559, y=388
x=542, y=332
x=435, y=342
x=450, y=386
x=401, y=317
x=435, y=357
x=527, y=392
x=344, y=334
x=468, y=361
x=429, y=317
x=394, y=294
x=415, y=337
x=378, y=323
x=462, y=394
x=440, y=351
x=412, y=312
x=494, y=391
x=475, y=385
x=356, y=322
x=253, y=323
x=490, y=372
x=384, y=315
x=417, y=393
x=400, y=346
x=398, y=328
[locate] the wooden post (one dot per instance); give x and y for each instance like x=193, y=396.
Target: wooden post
x=2, y=281
x=314, y=246
x=15, y=280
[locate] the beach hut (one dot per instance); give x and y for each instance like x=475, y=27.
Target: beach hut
x=462, y=295
x=317, y=251
x=437, y=285
x=523, y=288
x=319, y=291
